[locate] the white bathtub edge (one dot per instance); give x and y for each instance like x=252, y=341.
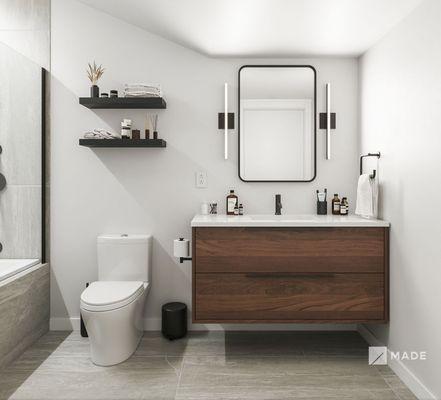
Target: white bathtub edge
x=21, y=273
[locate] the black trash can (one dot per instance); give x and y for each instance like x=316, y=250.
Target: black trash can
x=174, y=320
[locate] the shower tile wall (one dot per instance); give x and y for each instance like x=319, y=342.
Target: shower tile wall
x=24, y=26
x=20, y=160
x=24, y=49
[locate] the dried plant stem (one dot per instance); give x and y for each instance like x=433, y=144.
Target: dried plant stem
x=94, y=73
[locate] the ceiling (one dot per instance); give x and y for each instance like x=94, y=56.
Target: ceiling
x=264, y=28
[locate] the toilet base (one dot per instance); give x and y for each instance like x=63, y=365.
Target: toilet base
x=114, y=335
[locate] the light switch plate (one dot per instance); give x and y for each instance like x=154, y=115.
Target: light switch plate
x=201, y=180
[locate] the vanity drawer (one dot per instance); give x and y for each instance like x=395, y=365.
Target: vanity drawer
x=354, y=250
x=282, y=297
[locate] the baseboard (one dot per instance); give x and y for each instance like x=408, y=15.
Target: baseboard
x=154, y=324
x=367, y=335
x=409, y=379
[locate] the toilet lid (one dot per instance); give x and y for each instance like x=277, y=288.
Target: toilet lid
x=109, y=295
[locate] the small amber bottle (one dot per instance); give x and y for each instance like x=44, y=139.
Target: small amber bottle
x=232, y=202
x=344, y=206
x=336, y=205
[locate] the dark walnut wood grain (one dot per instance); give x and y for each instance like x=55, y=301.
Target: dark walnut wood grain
x=289, y=296
x=290, y=275
x=357, y=250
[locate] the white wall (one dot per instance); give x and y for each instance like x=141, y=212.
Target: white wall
x=400, y=84
x=153, y=190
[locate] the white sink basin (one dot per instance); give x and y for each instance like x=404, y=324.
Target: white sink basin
x=284, y=218
x=293, y=220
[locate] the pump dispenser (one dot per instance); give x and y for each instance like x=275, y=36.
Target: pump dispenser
x=232, y=202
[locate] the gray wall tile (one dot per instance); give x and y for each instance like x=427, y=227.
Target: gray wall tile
x=24, y=312
x=24, y=14
x=20, y=222
x=20, y=118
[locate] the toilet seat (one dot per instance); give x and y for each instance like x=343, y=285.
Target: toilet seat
x=111, y=295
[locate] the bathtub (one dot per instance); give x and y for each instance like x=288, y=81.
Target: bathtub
x=24, y=305
x=11, y=267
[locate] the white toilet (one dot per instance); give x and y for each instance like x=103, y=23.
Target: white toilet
x=112, y=308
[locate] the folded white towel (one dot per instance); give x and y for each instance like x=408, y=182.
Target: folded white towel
x=100, y=134
x=367, y=197
x=143, y=85
x=141, y=94
x=142, y=90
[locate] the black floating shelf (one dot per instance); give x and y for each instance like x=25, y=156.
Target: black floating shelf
x=123, y=102
x=123, y=142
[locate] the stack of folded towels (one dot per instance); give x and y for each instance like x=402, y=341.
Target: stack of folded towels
x=100, y=134
x=142, y=90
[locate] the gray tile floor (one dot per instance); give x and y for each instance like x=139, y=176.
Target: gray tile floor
x=215, y=365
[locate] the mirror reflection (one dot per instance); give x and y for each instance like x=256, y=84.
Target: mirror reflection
x=277, y=123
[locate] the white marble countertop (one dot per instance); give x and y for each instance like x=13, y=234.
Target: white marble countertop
x=268, y=220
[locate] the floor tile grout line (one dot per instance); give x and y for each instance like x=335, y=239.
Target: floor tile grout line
x=179, y=377
x=301, y=356
x=403, y=385
x=393, y=390
x=178, y=372
x=169, y=363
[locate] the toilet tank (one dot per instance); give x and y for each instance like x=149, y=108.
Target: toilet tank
x=124, y=257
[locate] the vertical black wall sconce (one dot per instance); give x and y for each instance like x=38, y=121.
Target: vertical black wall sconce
x=327, y=121
x=225, y=121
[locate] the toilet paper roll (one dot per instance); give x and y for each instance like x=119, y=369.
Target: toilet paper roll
x=181, y=247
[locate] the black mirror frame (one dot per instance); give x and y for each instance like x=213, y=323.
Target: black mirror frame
x=315, y=119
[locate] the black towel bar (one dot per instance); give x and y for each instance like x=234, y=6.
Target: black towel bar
x=374, y=172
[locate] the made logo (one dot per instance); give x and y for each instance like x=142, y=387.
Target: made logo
x=378, y=355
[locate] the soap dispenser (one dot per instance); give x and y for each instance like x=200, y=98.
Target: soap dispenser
x=232, y=202
x=344, y=207
x=336, y=203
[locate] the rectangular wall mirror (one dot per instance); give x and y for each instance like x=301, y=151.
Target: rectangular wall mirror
x=277, y=123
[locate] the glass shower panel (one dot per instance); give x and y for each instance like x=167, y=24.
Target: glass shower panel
x=21, y=155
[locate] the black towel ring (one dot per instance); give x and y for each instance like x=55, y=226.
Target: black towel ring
x=374, y=172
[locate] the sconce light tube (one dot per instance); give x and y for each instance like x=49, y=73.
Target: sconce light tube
x=328, y=121
x=226, y=121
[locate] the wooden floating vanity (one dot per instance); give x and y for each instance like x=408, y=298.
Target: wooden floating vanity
x=283, y=269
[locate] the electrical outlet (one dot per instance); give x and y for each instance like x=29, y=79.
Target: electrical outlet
x=201, y=180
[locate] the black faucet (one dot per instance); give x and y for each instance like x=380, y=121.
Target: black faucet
x=278, y=204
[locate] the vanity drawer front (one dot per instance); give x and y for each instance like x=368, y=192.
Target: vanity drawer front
x=285, y=297
x=356, y=250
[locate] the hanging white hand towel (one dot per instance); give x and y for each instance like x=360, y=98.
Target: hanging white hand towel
x=367, y=196
x=375, y=191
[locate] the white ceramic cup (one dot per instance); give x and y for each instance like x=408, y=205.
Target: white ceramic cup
x=205, y=209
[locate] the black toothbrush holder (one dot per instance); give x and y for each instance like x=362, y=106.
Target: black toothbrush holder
x=322, y=203
x=322, y=207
